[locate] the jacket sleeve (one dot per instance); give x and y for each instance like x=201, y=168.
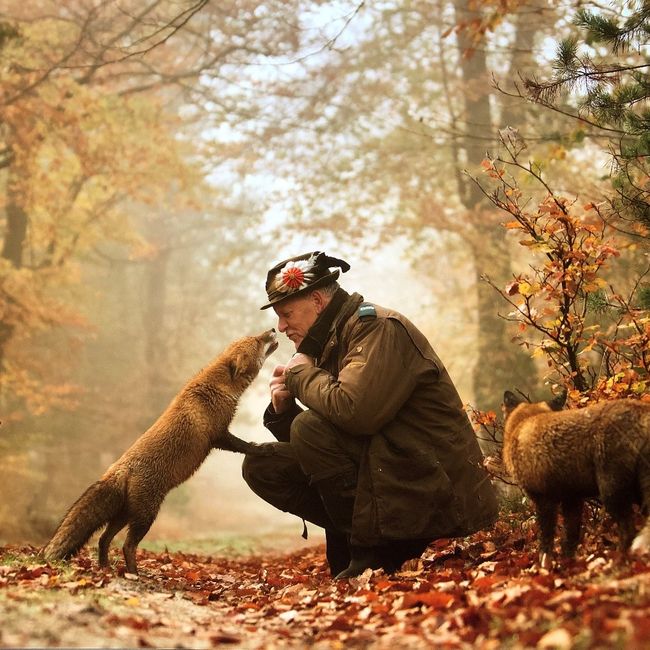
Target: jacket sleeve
x=279, y=424
x=378, y=374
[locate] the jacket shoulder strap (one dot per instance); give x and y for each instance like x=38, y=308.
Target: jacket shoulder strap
x=367, y=311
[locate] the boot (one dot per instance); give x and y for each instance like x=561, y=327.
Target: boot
x=337, y=550
x=399, y=551
x=389, y=556
x=365, y=557
x=337, y=494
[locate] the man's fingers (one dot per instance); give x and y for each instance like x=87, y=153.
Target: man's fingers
x=281, y=400
x=278, y=371
x=276, y=381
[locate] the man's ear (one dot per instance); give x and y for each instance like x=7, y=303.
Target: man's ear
x=319, y=300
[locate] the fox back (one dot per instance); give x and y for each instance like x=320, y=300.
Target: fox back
x=564, y=456
x=551, y=451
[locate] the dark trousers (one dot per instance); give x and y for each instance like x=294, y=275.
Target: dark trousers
x=318, y=452
x=321, y=462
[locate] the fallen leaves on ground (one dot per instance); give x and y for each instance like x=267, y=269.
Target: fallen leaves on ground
x=484, y=591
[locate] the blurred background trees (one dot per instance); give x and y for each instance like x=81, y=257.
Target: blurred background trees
x=157, y=158
x=111, y=225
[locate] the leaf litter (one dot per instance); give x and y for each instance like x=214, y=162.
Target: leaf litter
x=484, y=591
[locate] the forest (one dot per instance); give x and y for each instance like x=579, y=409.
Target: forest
x=483, y=167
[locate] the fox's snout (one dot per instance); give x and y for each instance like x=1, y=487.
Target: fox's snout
x=270, y=340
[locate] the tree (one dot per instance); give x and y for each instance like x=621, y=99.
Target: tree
x=607, y=75
x=557, y=301
x=393, y=115
x=103, y=113
x=97, y=113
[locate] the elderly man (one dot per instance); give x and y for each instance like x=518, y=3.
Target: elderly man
x=383, y=456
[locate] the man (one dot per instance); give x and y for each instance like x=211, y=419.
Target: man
x=383, y=456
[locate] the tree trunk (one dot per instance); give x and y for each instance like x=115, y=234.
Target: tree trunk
x=155, y=351
x=13, y=245
x=500, y=364
x=16, y=232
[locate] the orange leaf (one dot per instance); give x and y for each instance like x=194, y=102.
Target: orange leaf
x=512, y=288
x=436, y=599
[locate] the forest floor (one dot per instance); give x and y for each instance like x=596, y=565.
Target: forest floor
x=484, y=591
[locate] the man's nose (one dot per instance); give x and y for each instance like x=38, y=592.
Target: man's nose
x=282, y=325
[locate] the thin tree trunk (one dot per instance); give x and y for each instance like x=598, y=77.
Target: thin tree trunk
x=13, y=245
x=500, y=364
x=16, y=232
x=155, y=351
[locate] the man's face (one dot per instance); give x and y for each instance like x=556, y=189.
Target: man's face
x=297, y=315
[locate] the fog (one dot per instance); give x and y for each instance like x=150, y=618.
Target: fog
x=56, y=456
x=160, y=167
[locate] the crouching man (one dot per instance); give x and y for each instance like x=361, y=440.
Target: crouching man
x=383, y=457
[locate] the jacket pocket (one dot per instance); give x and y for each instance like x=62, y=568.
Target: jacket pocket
x=414, y=496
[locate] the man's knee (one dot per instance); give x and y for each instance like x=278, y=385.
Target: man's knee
x=308, y=429
x=264, y=474
x=322, y=449
x=255, y=469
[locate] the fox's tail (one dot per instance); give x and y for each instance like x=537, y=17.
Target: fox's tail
x=95, y=507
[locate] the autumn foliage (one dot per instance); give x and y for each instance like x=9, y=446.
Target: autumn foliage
x=484, y=591
x=595, y=340
x=81, y=159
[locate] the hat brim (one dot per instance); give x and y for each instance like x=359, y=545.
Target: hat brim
x=326, y=279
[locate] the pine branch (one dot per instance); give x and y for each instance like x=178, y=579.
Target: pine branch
x=607, y=30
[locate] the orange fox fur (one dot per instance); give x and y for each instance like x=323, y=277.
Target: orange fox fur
x=167, y=454
x=561, y=457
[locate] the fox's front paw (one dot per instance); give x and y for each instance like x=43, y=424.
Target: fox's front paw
x=262, y=449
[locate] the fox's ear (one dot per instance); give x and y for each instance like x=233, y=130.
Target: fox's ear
x=510, y=400
x=558, y=402
x=236, y=366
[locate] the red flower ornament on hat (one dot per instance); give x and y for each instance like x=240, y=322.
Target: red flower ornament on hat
x=295, y=275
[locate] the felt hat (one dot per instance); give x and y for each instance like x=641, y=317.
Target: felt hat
x=300, y=274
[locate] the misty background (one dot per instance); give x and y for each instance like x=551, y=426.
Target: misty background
x=120, y=392
x=158, y=158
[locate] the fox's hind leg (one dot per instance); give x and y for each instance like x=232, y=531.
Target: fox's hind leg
x=139, y=525
x=115, y=525
x=547, y=521
x=641, y=543
x=572, y=515
x=619, y=506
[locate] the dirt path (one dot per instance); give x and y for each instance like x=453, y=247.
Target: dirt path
x=485, y=592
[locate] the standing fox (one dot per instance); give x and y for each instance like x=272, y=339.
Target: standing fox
x=563, y=457
x=167, y=454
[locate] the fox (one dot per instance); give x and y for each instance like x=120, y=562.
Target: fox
x=133, y=488
x=562, y=457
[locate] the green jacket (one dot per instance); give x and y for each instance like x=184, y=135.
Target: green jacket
x=422, y=476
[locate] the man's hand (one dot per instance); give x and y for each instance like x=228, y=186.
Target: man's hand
x=281, y=398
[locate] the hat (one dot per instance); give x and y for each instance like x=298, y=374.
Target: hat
x=299, y=274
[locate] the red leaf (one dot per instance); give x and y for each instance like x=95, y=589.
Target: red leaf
x=512, y=288
x=435, y=599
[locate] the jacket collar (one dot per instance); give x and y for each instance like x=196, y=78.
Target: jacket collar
x=317, y=335
x=346, y=310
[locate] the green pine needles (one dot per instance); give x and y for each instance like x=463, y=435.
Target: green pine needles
x=604, y=73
